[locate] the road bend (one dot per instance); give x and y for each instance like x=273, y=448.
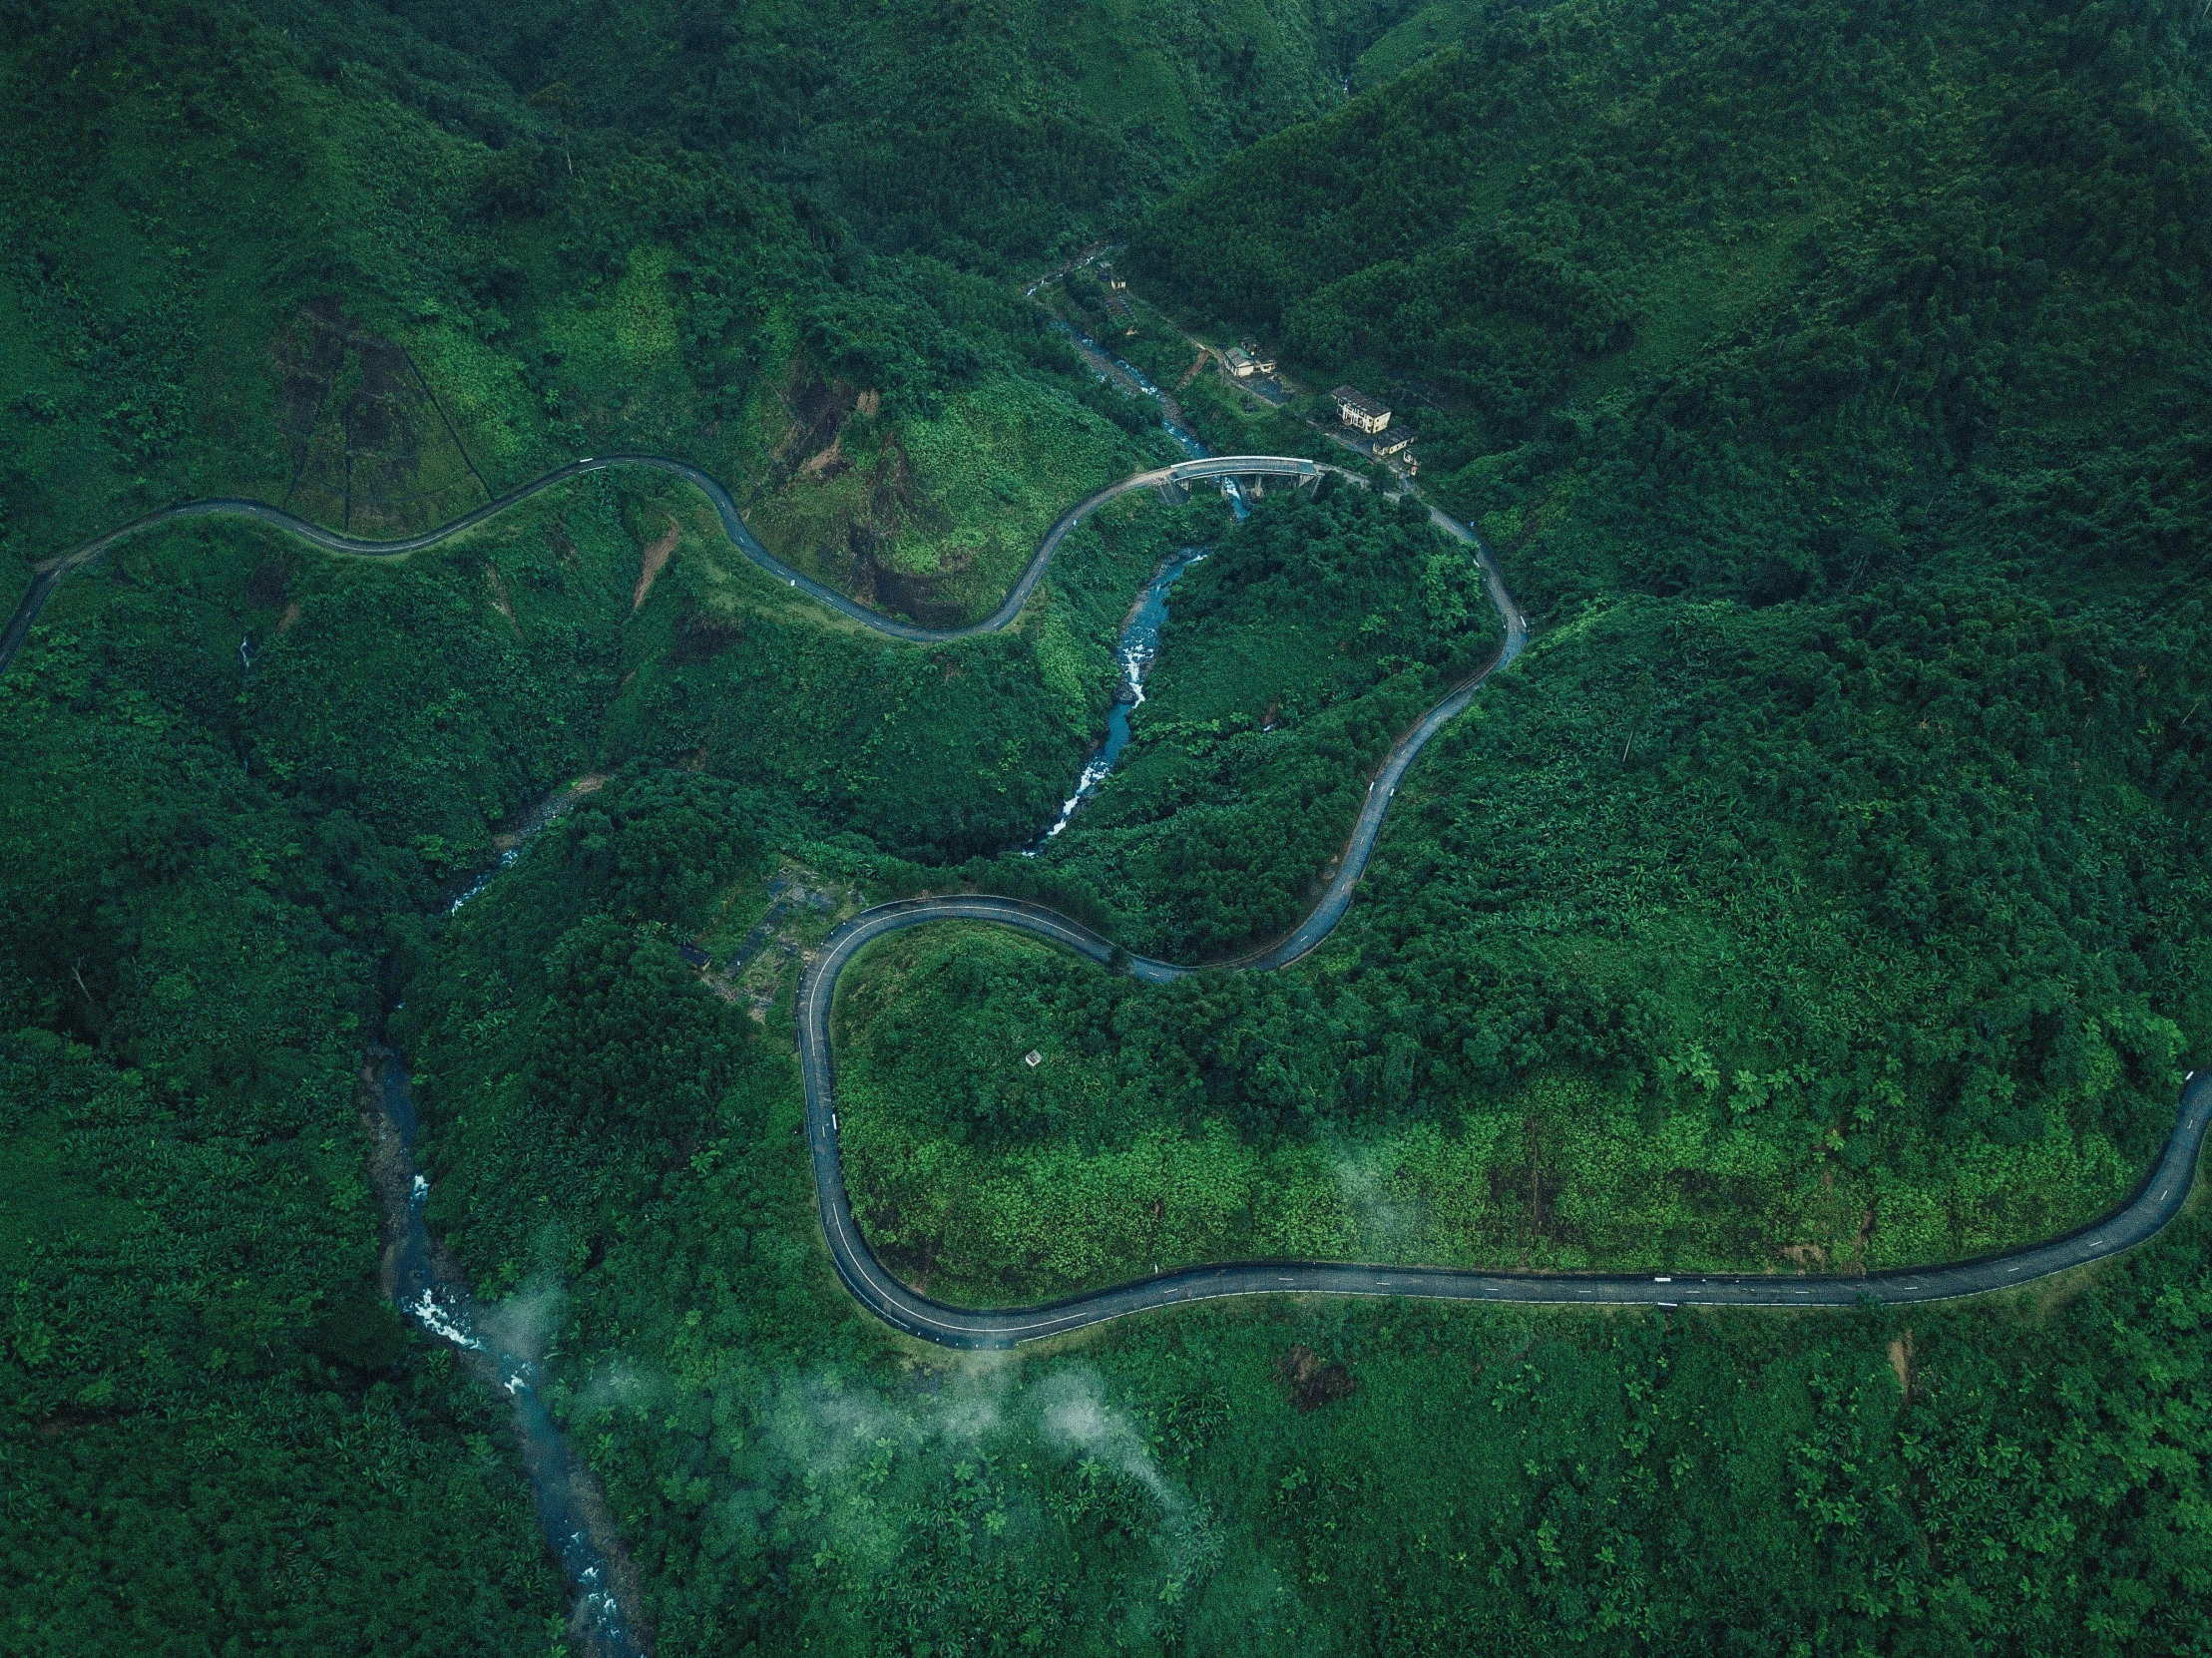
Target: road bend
x=740, y=533
x=2155, y=1202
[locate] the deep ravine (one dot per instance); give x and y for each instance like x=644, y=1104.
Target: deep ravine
x=1140, y=640
x=505, y=1353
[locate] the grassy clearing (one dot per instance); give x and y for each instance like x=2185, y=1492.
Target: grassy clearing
x=934, y=519
x=992, y=1181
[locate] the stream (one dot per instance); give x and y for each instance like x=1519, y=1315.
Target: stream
x=427, y=1285
x=1140, y=640
x=1138, y=644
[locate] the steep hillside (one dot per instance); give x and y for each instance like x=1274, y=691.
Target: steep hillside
x=1821, y=891
x=335, y=266
x=305, y=255
x=1762, y=300
x=973, y=132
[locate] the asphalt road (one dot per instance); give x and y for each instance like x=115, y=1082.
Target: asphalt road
x=733, y=525
x=2156, y=1202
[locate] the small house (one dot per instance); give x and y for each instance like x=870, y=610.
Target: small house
x=1239, y=364
x=1263, y=363
x=1358, y=411
x=1394, y=442
x=1115, y=281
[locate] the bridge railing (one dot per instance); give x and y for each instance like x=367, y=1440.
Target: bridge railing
x=1239, y=466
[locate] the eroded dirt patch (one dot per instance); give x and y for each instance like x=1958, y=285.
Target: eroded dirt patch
x=701, y=637
x=502, y=601
x=819, y=408
x=650, y=561
x=876, y=498
x=1308, y=1382
x=800, y=903
x=826, y=463
x=372, y=449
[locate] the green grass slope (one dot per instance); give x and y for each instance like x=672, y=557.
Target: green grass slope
x=1325, y=1477
x=335, y=267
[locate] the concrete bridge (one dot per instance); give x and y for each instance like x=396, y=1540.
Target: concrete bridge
x=1249, y=473
x=1252, y=466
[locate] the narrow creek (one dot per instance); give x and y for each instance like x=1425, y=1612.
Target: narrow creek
x=1140, y=640
x=1138, y=644
x=428, y=1285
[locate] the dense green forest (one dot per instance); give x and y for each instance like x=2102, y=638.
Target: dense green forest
x=1675, y=299
x=1860, y=481
x=888, y=114
x=1653, y=971
x=1818, y=892
x=2020, y=1474
x=317, y=258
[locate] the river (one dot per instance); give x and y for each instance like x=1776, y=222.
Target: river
x=1140, y=640
x=427, y=1285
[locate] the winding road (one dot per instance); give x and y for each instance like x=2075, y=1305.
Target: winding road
x=51, y=571
x=2160, y=1197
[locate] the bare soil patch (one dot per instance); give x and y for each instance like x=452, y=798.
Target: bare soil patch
x=702, y=638
x=827, y=463
x=1310, y=1383
x=502, y=601
x=652, y=562
x=1900, y=1360
x=371, y=448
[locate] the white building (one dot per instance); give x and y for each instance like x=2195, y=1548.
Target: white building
x=1358, y=411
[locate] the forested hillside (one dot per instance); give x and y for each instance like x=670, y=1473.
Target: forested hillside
x=890, y=114
x=310, y=254
x=1862, y=479
x=1341, y=1478
x=316, y=257
x=1820, y=892
x=1767, y=300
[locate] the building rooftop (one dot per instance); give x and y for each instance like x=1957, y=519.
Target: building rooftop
x=1359, y=403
